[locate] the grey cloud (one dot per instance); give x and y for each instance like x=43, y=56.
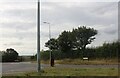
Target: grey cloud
x=21, y=14
x=119, y=21
x=18, y=25
x=105, y=7
x=13, y=44
x=13, y=1
x=79, y=15
x=25, y=35
x=44, y=34
x=24, y=20
x=111, y=29
x=55, y=34
x=29, y=13
x=100, y=14
x=20, y=35
x=111, y=32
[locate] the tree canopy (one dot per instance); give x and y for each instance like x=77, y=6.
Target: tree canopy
x=52, y=44
x=78, y=38
x=83, y=36
x=9, y=55
x=65, y=41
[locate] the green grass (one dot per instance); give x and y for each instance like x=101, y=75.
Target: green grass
x=85, y=62
x=72, y=72
x=79, y=72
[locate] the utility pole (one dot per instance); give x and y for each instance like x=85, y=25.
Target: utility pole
x=51, y=55
x=38, y=37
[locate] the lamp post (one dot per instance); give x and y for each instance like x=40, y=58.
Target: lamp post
x=49, y=29
x=38, y=38
x=51, y=58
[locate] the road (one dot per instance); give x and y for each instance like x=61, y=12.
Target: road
x=8, y=68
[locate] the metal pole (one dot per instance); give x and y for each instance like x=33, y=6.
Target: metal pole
x=49, y=31
x=49, y=38
x=38, y=38
x=50, y=50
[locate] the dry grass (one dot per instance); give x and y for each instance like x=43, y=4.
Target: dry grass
x=72, y=72
x=95, y=61
x=87, y=62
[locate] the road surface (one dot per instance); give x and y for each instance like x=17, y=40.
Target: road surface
x=8, y=68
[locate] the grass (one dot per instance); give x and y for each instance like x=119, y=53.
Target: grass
x=71, y=72
x=78, y=72
x=85, y=62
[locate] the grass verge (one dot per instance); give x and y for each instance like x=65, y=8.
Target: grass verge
x=83, y=62
x=71, y=72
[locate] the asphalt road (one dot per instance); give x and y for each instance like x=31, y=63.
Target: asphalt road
x=8, y=68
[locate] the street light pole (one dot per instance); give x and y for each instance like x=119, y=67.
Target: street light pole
x=49, y=29
x=38, y=38
x=49, y=38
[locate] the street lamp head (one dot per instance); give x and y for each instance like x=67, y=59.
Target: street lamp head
x=46, y=22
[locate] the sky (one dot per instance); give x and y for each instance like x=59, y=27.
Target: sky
x=18, y=22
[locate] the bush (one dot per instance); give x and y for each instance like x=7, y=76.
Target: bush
x=45, y=55
x=10, y=55
x=108, y=50
x=56, y=55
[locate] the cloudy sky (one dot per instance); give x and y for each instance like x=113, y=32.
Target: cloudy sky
x=18, y=22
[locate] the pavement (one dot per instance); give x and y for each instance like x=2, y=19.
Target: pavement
x=8, y=68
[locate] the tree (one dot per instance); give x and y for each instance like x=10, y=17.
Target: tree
x=83, y=36
x=77, y=39
x=52, y=44
x=9, y=55
x=65, y=42
x=108, y=50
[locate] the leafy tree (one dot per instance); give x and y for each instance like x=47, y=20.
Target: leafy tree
x=108, y=50
x=83, y=36
x=75, y=40
x=9, y=55
x=65, y=42
x=52, y=44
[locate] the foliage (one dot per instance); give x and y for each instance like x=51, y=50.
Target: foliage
x=65, y=41
x=76, y=39
x=72, y=44
x=83, y=36
x=52, y=44
x=45, y=55
x=56, y=54
x=106, y=51
x=9, y=55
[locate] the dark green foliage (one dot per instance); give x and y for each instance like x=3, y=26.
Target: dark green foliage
x=65, y=41
x=106, y=51
x=56, y=55
x=60, y=77
x=10, y=55
x=68, y=41
x=52, y=44
x=45, y=55
x=77, y=39
x=73, y=45
x=83, y=36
